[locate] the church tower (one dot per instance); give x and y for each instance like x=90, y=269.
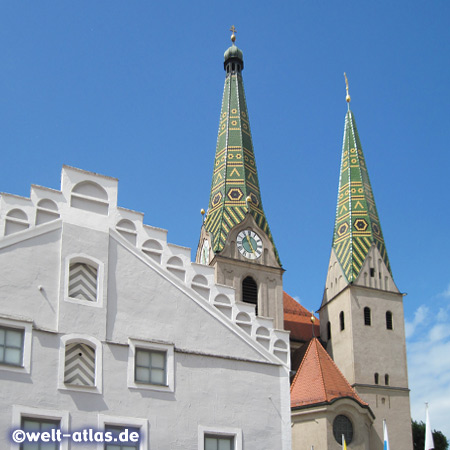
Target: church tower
x=361, y=315
x=235, y=236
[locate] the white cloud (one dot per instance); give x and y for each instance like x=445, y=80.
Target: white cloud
x=419, y=317
x=446, y=293
x=428, y=346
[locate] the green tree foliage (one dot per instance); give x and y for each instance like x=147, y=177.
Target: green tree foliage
x=418, y=430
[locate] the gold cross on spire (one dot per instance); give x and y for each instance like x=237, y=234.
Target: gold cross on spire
x=233, y=36
x=347, y=97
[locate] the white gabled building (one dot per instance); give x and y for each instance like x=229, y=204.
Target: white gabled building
x=103, y=323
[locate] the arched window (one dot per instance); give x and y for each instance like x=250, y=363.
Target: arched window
x=389, y=324
x=386, y=380
x=367, y=316
x=342, y=320
x=91, y=197
x=377, y=378
x=328, y=330
x=250, y=292
x=16, y=220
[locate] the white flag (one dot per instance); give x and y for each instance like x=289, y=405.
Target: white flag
x=429, y=444
x=385, y=436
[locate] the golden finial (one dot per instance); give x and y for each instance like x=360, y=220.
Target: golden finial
x=347, y=97
x=313, y=320
x=233, y=36
x=248, y=199
x=202, y=212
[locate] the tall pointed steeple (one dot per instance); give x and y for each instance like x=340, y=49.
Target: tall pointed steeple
x=361, y=301
x=235, y=237
x=357, y=226
x=235, y=188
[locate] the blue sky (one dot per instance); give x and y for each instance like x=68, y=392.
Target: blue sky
x=132, y=89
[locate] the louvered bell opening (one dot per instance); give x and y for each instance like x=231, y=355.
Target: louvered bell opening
x=83, y=281
x=250, y=292
x=79, y=367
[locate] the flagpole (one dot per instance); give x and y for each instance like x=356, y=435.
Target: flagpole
x=429, y=443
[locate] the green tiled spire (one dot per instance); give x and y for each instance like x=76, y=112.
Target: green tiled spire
x=357, y=225
x=235, y=187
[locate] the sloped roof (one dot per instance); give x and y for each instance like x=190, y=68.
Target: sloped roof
x=318, y=380
x=297, y=320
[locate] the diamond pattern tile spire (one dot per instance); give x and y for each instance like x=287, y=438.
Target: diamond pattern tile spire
x=357, y=225
x=235, y=188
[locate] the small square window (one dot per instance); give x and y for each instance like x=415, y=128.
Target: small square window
x=11, y=346
x=39, y=425
x=150, y=367
x=219, y=442
x=116, y=432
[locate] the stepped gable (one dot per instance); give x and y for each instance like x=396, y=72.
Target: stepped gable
x=318, y=380
x=297, y=320
x=89, y=200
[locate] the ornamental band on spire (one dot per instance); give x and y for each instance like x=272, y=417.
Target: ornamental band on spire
x=357, y=225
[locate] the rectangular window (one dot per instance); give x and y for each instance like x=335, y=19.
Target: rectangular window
x=11, y=346
x=218, y=442
x=150, y=367
x=120, y=433
x=38, y=425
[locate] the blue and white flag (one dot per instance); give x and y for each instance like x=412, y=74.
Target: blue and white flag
x=385, y=436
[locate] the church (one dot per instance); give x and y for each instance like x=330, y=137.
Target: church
x=106, y=325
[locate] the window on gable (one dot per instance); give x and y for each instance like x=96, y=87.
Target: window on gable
x=33, y=424
x=328, y=330
x=11, y=346
x=116, y=434
x=376, y=378
x=389, y=323
x=367, y=316
x=79, y=364
x=83, y=281
x=386, y=380
x=250, y=292
x=150, y=367
x=342, y=320
x=214, y=442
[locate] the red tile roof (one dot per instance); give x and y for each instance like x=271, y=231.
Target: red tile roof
x=297, y=320
x=318, y=379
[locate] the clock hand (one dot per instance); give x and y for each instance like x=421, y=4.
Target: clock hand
x=250, y=243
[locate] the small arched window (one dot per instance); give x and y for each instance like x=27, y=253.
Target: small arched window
x=376, y=378
x=329, y=330
x=367, y=316
x=389, y=323
x=16, y=220
x=342, y=320
x=386, y=380
x=91, y=197
x=250, y=292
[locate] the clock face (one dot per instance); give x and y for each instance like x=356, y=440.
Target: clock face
x=204, y=255
x=249, y=244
